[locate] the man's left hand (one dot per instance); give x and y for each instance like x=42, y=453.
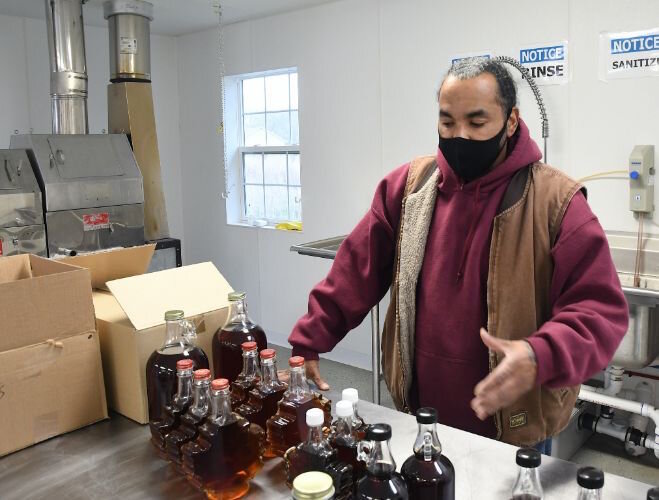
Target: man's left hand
x=512, y=378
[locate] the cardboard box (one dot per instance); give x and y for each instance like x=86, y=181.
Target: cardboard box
x=51, y=379
x=130, y=318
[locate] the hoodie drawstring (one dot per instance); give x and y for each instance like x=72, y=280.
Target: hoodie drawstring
x=475, y=217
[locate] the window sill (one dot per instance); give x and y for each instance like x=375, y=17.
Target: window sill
x=267, y=227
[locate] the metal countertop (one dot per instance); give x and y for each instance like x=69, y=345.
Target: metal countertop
x=114, y=459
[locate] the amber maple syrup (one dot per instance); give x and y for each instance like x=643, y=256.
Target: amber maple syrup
x=316, y=454
x=227, y=452
x=288, y=426
x=161, y=365
x=263, y=399
x=239, y=328
x=249, y=376
x=191, y=420
x=179, y=405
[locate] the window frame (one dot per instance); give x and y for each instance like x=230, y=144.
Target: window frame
x=242, y=150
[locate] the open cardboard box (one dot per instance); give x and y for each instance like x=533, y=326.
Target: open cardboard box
x=51, y=379
x=130, y=316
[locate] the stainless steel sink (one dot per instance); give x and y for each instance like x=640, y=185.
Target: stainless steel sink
x=640, y=347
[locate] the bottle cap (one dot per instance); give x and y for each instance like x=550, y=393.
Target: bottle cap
x=174, y=315
x=313, y=485
x=653, y=494
x=248, y=346
x=590, y=478
x=202, y=374
x=235, y=296
x=267, y=354
x=426, y=415
x=528, y=457
x=378, y=432
x=219, y=384
x=184, y=364
x=350, y=394
x=296, y=361
x=344, y=408
x=315, y=417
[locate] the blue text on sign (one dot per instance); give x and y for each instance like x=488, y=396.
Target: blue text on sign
x=635, y=44
x=540, y=54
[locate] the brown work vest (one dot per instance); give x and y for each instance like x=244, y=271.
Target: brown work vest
x=518, y=287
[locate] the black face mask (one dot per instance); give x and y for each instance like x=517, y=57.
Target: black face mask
x=469, y=158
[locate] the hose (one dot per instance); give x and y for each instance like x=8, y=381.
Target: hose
x=639, y=244
x=526, y=75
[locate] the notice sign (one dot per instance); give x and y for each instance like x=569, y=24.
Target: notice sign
x=547, y=63
x=629, y=55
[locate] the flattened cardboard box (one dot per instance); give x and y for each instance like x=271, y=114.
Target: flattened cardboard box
x=130, y=319
x=51, y=379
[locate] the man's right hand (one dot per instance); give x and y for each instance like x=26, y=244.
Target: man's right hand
x=312, y=372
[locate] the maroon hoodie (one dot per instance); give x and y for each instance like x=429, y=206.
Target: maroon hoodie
x=589, y=311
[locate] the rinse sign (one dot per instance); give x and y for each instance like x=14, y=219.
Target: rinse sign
x=548, y=64
x=629, y=55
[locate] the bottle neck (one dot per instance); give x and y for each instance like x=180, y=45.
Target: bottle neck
x=173, y=332
x=250, y=366
x=427, y=446
x=377, y=455
x=298, y=388
x=221, y=413
x=315, y=435
x=356, y=419
x=201, y=398
x=270, y=381
x=239, y=312
x=586, y=494
x=184, y=392
x=344, y=430
x=527, y=484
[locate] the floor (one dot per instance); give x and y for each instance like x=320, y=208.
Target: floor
x=599, y=451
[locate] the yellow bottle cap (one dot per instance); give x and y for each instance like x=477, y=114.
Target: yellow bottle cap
x=313, y=486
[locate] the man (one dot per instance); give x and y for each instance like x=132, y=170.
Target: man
x=482, y=236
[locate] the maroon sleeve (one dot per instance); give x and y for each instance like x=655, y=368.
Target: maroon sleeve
x=359, y=277
x=589, y=310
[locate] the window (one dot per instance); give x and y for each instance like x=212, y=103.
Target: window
x=269, y=152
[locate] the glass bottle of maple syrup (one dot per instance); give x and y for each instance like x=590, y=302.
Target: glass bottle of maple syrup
x=180, y=404
x=381, y=480
x=288, y=426
x=191, y=420
x=429, y=474
x=239, y=328
x=161, y=365
x=227, y=452
x=317, y=454
x=358, y=425
x=262, y=401
x=248, y=377
x=344, y=439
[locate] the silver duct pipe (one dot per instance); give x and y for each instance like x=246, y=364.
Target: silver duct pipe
x=130, y=39
x=68, y=71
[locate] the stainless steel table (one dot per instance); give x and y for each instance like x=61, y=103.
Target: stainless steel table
x=326, y=249
x=114, y=459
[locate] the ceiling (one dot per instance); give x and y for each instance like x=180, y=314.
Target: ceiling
x=173, y=17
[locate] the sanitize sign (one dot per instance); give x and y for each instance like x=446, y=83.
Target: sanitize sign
x=629, y=55
x=547, y=63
